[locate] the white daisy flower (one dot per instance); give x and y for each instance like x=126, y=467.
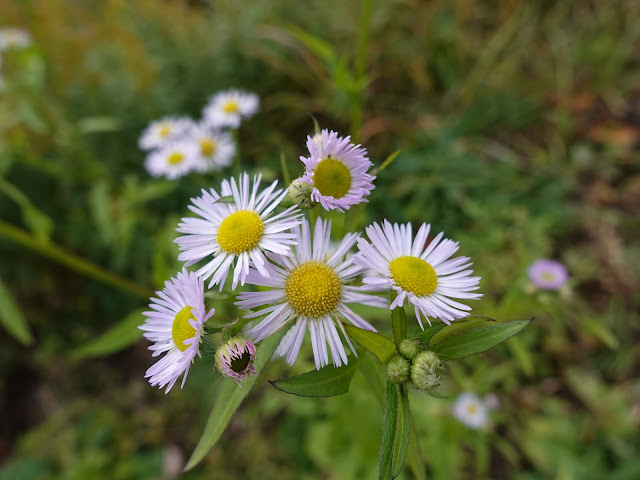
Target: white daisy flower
x=13, y=37
x=470, y=410
x=228, y=108
x=337, y=170
x=172, y=161
x=310, y=288
x=175, y=326
x=548, y=274
x=163, y=131
x=427, y=277
x=243, y=229
x=214, y=149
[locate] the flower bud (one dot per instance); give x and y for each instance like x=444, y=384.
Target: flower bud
x=235, y=357
x=300, y=194
x=409, y=348
x=398, y=369
x=426, y=370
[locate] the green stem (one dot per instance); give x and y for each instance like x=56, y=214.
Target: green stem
x=362, y=50
x=313, y=214
x=71, y=261
x=398, y=322
x=236, y=167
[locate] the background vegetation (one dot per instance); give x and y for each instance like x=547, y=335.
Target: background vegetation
x=519, y=124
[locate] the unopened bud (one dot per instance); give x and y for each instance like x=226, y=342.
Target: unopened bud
x=409, y=348
x=398, y=369
x=235, y=357
x=300, y=194
x=426, y=370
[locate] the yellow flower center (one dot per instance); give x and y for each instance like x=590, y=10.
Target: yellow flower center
x=240, y=232
x=181, y=329
x=548, y=276
x=175, y=158
x=414, y=275
x=231, y=107
x=332, y=178
x=313, y=289
x=208, y=147
x=472, y=408
x=164, y=130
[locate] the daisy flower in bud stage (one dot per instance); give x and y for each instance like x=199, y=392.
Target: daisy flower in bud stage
x=548, y=274
x=427, y=277
x=470, y=410
x=240, y=230
x=173, y=160
x=13, y=37
x=337, y=170
x=235, y=357
x=175, y=325
x=161, y=132
x=228, y=108
x=309, y=287
x=214, y=149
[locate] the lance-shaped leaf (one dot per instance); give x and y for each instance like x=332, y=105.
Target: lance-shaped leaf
x=376, y=343
x=121, y=336
x=11, y=317
x=477, y=340
x=229, y=399
x=461, y=325
x=395, y=432
x=326, y=382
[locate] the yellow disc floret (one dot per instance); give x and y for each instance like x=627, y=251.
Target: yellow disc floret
x=313, y=289
x=240, y=232
x=164, y=130
x=332, y=178
x=175, y=158
x=207, y=147
x=414, y=275
x=181, y=329
x=231, y=107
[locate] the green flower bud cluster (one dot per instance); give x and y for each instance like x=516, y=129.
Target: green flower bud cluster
x=422, y=368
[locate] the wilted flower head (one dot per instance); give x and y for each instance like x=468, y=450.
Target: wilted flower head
x=228, y=108
x=548, y=274
x=470, y=410
x=13, y=37
x=337, y=170
x=235, y=358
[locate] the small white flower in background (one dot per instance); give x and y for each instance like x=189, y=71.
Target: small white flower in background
x=426, y=277
x=228, y=108
x=470, y=410
x=235, y=357
x=172, y=161
x=243, y=229
x=175, y=325
x=163, y=131
x=337, y=170
x=548, y=274
x=13, y=37
x=309, y=288
x=214, y=149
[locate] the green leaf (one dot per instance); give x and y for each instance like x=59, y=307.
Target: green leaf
x=462, y=325
x=398, y=323
x=403, y=429
x=376, y=343
x=229, y=399
x=385, y=466
x=477, y=340
x=11, y=317
x=121, y=336
x=317, y=45
x=388, y=161
x=326, y=382
x=425, y=335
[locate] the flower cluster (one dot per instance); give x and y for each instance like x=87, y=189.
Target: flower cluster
x=304, y=281
x=179, y=145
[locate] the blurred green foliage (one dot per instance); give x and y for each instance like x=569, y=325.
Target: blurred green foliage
x=519, y=124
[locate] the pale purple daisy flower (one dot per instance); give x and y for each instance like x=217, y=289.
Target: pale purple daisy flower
x=172, y=161
x=243, y=229
x=548, y=274
x=337, y=170
x=161, y=132
x=426, y=277
x=470, y=410
x=14, y=37
x=228, y=108
x=309, y=287
x=175, y=325
x=214, y=149
x=235, y=357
